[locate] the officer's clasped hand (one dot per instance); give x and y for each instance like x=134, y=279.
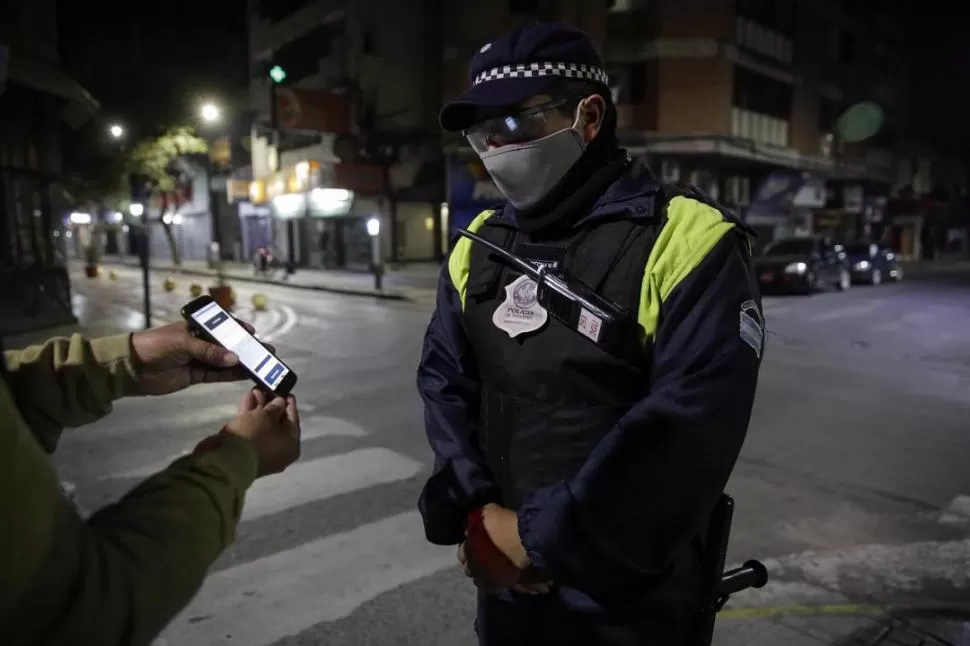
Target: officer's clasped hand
x=493, y=555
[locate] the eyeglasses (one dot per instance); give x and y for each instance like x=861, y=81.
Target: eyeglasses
x=525, y=125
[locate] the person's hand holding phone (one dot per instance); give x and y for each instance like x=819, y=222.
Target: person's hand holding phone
x=171, y=358
x=272, y=424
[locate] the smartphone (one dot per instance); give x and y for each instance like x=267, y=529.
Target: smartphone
x=219, y=326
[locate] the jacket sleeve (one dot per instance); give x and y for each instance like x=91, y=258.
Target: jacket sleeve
x=649, y=485
x=117, y=578
x=69, y=382
x=448, y=385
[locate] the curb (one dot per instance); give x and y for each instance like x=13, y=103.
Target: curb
x=390, y=296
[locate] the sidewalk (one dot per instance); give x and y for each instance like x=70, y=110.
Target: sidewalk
x=415, y=281
x=939, y=266
x=831, y=627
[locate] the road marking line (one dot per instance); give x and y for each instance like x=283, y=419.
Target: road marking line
x=845, y=609
x=262, y=601
x=318, y=427
x=845, y=312
x=323, y=478
x=957, y=513
x=290, y=320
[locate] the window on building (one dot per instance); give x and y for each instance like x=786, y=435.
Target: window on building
x=738, y=190
x=628, y=83
x=761, y=109
x=762, y=94
x=757, y=38
x=300, y=58
x=828, y=114
x=778, y=15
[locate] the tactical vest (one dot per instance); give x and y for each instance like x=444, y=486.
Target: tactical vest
x=548, y=397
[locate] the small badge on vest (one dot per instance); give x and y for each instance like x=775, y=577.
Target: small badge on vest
x=541, y=256
x=520, y=312
x=752, y=326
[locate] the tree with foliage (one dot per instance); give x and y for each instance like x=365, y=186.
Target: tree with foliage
x=157, y=160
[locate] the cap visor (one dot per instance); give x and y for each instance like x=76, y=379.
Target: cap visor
x=483, y=101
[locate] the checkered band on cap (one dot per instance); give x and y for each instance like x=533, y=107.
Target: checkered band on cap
x=533, y=70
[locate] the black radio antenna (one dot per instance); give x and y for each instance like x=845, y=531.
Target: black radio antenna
x=520, y=264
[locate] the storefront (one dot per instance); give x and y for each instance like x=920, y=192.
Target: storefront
x=256, y=228
x=319, y=213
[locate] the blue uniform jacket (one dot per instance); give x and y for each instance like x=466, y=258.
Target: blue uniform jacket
x=611, y=530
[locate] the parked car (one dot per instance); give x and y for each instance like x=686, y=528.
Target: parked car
x=873, y=263
x=802, y=264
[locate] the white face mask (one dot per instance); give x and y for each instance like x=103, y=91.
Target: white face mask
x=525, y=173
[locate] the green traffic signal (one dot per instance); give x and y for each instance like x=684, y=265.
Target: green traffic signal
x=278, y=74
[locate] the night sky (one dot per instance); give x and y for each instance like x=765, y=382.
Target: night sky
x=151, y=65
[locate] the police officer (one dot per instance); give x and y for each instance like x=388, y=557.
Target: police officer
x=593, y=466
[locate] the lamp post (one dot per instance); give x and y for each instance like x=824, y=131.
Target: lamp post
x=210, y=113
x=137, y=210
x=377, y=266
x=116, y=131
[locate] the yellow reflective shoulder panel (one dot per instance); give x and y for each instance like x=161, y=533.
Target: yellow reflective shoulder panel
x=691, y=231
x=459, y=262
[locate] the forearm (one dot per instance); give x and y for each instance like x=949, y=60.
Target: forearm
x=119, y=578
x=447, y=381
x=69, y=382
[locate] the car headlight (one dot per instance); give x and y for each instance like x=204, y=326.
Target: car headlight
x=862, y=265
x=796, y=268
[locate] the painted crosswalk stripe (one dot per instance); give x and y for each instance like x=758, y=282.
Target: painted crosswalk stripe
x=323, y=478
x=957, y=513
x=313, y=427
x=260, y=602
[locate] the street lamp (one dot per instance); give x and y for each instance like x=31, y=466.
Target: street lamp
x=210, y=112
x=374, y=231
x=136, y=209
x=116, y=131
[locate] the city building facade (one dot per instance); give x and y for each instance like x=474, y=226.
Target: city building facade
x=792, y=113
x=37, y=99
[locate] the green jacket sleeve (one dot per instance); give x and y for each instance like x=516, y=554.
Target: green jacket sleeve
x=69, y=382
x=120, y=576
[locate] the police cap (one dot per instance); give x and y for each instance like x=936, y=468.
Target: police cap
x=521, y=64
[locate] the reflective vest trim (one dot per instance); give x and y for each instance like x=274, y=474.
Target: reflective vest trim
x=460, y=261
x=691, y=231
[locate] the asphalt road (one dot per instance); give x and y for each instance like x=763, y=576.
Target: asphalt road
x=853, y=485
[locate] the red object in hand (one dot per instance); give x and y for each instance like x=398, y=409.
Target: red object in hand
x=487, y=559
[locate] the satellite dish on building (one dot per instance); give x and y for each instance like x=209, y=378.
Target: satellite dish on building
x=859, y=122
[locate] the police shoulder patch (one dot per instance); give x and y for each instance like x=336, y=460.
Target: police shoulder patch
x=752, y=326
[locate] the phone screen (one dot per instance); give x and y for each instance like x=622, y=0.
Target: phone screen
x=234, y=337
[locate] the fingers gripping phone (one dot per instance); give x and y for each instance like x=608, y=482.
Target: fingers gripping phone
x=219, y=326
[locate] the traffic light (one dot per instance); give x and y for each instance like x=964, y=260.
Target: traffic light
x=277, y=73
